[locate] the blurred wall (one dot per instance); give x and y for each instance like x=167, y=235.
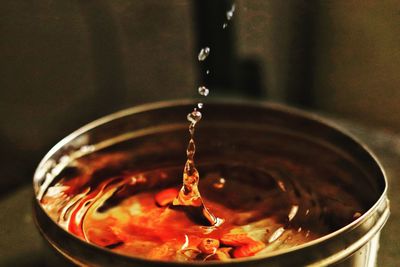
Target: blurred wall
x=357, y=71
x=338, y=56
x=280, y=35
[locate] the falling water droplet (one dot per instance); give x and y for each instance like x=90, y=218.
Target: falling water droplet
x=229, y=14
x=203, y=91
x=207, y=72
x=194, y=116
x=200, y=105
x=224, y=25
x=203, y=54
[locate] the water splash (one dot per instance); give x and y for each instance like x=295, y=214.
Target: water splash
x=189, y=195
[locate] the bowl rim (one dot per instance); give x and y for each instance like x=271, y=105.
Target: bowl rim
x=381, y=205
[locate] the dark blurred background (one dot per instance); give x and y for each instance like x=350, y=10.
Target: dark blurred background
x=65, y=63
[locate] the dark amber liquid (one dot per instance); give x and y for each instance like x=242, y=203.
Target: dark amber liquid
x=281, y=205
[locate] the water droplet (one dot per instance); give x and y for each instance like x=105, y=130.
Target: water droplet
x=229, y=14
x=224, y=25
x=203, y=54
x=281, y=185
x=276, y=234
x=293, y=212
x=200, y=105
x=356, y=215
x=207, y=72
x=308, y=233
x=220, y=183
x=203, y=91
x=194, y=116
